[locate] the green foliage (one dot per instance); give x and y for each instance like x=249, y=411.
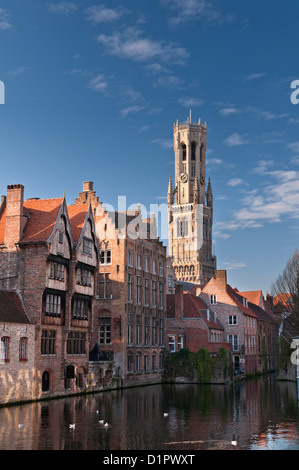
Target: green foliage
x=199, y=366
x=205, y=366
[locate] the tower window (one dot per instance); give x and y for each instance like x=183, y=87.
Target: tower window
x=193, y=151
x=201, y=152
x=184, y=152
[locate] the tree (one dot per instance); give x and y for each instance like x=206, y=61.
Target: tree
x=285, y=291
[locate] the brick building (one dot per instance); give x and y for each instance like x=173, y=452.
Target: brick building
x=17, y=350
x=130, y=308
x=49, y=254
x=192, y=324
x=250, y=329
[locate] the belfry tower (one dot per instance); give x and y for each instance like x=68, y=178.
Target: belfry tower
x=190, y=206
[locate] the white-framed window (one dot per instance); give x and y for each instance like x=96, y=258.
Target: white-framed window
x=213, y=299
x=232, y=320
x=234, y=340
x=146, y=264
x=105, y=257
x=180, y=342
x=245, y=302
x=154, y=267
x=130, y=258
x=171, y=343
x=161, y=269
x=105, y=330
x=4, y=348
x=138, y=261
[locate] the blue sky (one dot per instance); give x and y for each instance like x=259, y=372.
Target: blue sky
x=92, y=91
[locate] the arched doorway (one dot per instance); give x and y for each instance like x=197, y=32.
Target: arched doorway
x=46, y=381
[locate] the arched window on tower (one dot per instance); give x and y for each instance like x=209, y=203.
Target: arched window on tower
x=184, y=152
x=193, y=151
x=185, y=227
x=201, y=152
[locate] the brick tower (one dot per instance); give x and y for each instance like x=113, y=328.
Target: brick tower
x=190, y=206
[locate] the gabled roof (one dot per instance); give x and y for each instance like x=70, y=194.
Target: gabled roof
x=42, y=215
x=253, y=296
x=11, y=310
x=77, y=214
x=193, y=308
x=238, y=299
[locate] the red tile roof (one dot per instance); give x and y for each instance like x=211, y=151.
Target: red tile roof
x=238, y=299
x=11, y=309
x=77, y=214
x=193, y=308
x=253, y=296
x=42, y=215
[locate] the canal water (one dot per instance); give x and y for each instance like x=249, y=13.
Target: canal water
x=258, y=414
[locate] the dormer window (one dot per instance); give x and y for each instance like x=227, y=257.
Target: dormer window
x=245, y=302
x=213, y=299
x=60, y=237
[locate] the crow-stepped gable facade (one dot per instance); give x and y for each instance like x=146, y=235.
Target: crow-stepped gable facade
x=190, y=206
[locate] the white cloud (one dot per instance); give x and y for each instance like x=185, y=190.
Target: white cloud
x=98, y=83
x=130, y=44
x=4, y=20
x=228, y=111
x=254, y=76
x=234, y=264
x=169, y=81
x=235, y=182
x=214, y=162
x=275, y=202
x=294, y=147
x=164, y=143
x=102, y=14
x=191, y=10
x=62, y=8
x=131, y=110
x=235, y=139
x=17, y=71
x=190, y=102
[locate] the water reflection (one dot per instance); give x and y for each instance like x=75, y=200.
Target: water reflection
x=258, y=414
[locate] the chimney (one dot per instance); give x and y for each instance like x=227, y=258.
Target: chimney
x=221, y=276
x=14, y=214
x=179, y=300
x=87, y=185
